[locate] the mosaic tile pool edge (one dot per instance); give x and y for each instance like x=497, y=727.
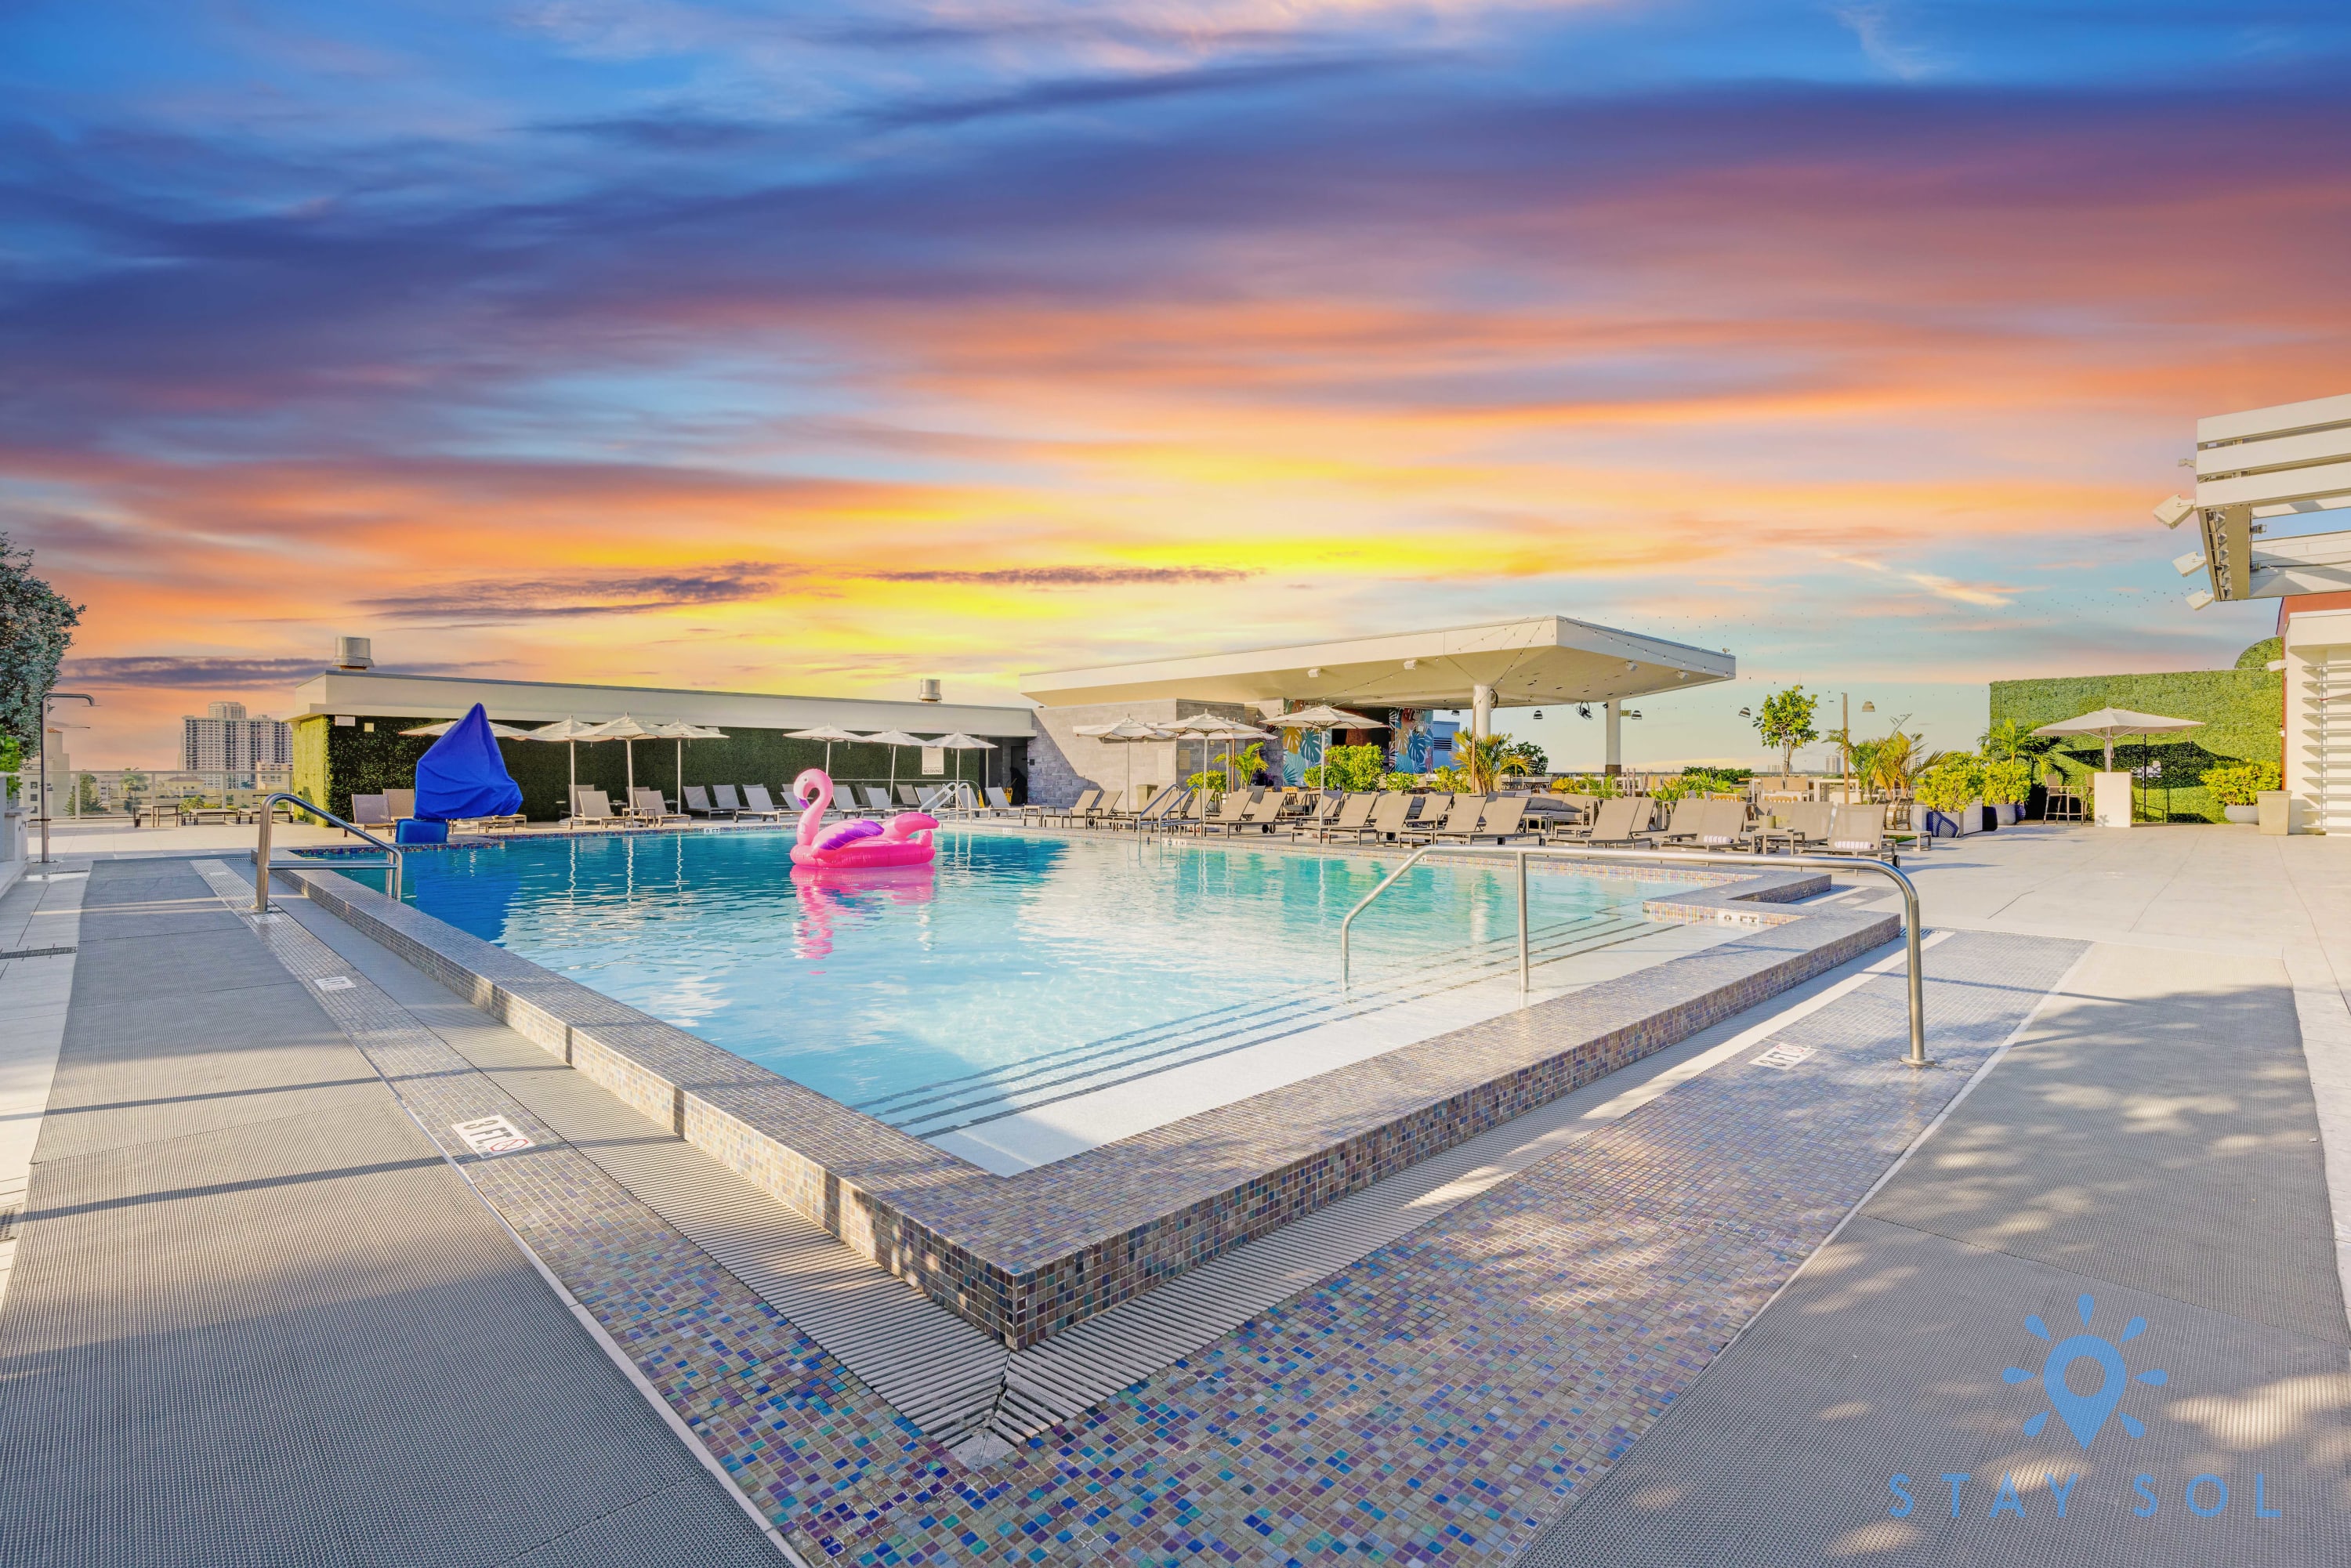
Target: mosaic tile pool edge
x=1023, y=1257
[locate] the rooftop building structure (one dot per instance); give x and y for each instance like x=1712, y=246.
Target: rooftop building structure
x=1398, y=678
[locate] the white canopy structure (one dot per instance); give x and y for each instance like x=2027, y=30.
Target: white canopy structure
x=2269, y=482
x=2111, y=722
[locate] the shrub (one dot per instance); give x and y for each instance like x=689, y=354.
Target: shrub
x=1399, y=782
x=2008, y=782
x=1951, y=784
x=1665, y=791
x=1449, y=778
x=1348, y=768
x=2237, y=783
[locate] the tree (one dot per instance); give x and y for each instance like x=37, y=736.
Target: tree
x=1526, y=757
x=36, y=626
x=1785, y=721
x=1348, y=768
x=2011, y=741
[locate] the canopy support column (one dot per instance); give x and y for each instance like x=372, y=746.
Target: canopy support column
x=1482, y=711
x=1614, y=711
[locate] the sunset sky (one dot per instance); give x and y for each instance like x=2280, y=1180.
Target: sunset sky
x=819, y=347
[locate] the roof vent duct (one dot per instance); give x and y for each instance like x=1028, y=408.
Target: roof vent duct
x=354, y=654
x=928, y=690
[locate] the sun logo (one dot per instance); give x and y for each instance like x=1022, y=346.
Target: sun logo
x=2085, y=1414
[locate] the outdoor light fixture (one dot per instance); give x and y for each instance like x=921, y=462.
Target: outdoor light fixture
x=1745, y=712
x=2198, y=600
x=1630, y=666
x=1681, y=674
x=1538, y=713
x=1412, y=663
x=1317, y=675
x=2175, y=511
x=1632, y=713
x=2188, y=565
x=1584, y=710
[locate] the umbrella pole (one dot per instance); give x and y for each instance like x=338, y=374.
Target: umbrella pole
x=571, y=801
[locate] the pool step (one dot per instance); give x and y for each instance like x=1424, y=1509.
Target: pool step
x=1030, y=1086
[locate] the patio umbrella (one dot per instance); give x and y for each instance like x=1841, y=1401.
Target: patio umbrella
x=1122, y=732
x=1210, y=727
x=570, y=731
x=894, y=740
x=959, y=741
x=1324, y=718
x=631, y=731
x=677, y=729
x=503, y=731
x=2111, y=722
x=828, y=733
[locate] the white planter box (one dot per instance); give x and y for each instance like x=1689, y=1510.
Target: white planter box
x=2110, y=799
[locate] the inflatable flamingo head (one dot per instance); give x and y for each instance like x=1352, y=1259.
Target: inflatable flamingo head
x=811, y=785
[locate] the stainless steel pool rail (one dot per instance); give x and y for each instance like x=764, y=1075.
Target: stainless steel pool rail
x=262, y=866
x=1522, y=854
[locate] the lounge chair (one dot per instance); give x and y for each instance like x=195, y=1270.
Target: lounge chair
x=1321, y=808
x=1388, y=818
x=1801, y=825
x=1682, y=826
x=1504, y=819
x=758, y=802
x=371, y=812
x=1165, y=806
x=594, y=806
x=697, y=803
x=1435, y=810
x=1265, y=812
x=647, y=806
x=1353, y=814
x=1860, y=831
x=1459, y=820
x=725, y=799
x=1622, y=820
x=1087, y=803
x=998, y=800
x=1721, y=825
x=1230, y=809
x=400, y=803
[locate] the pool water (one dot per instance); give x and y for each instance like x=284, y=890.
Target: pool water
x=1018, y=971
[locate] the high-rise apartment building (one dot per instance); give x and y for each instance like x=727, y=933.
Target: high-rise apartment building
x=226, y=741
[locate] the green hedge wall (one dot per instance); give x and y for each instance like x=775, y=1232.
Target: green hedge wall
x=359, y=761
x=2243, y=710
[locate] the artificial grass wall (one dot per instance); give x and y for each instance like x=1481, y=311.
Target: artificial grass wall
x=2243, y=708
x=342, y=760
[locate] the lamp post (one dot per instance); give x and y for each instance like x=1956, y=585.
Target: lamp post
x=53, y=696
x=1844, y=739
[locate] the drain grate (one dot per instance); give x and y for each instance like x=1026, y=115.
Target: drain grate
x=38, y=953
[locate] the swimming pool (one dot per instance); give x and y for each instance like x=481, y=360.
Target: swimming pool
x=1029, y=995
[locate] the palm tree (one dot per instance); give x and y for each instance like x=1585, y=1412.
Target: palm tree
x=1480, y=759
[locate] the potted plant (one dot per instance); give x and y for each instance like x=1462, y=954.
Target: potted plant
x=2236, y=784
x=2007, y=785
x=1953, y=788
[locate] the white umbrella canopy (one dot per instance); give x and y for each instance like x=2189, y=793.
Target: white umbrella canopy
x=959, y=742
x=503, y=731
x=1209, y=727
x=629, y=729
x=1123, y=732
x=829, y=734
x=894, y=740
x=2111, y=722
x=678, y=730
x=571, y=731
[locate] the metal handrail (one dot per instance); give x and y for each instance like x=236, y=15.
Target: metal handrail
x=261, y=848
x=1523, y=852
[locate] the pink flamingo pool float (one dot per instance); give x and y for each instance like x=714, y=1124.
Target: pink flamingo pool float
x=905, y=840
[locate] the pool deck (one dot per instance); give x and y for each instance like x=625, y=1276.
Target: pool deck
x=1026, y=1255
x=1534, y=1371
